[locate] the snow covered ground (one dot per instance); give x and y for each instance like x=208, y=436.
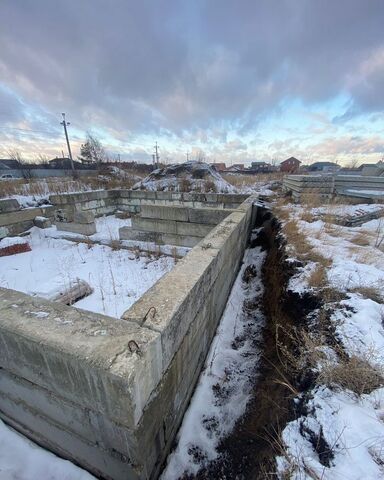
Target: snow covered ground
x=341, y=435
x=118, y=277
x=21, y=459
x=229, y=368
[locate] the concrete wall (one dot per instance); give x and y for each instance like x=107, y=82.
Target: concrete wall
x=106, y=202
x=14, y=220
x=111, y=394
x=176, y=225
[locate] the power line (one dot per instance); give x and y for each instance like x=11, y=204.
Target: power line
x=27, y=130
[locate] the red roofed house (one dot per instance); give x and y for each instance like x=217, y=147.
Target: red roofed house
x=291, y=165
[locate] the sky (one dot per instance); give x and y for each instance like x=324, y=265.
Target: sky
x=238, y=80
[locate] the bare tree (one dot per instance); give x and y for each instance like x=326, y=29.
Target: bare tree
x=43, y=159
x=25, y=167
x=200, y=156
x=354, y=163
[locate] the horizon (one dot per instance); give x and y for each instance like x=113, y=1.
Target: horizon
x=238, y=81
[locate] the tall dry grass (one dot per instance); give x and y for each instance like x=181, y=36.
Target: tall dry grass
x=59, y=185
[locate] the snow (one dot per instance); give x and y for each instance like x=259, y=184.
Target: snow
x=9, y=241
x=196, y=174
x=374, y=193
x=209, y=418
x=107, y=230
x=118, y=277
x=21, y=459
x=352, y=425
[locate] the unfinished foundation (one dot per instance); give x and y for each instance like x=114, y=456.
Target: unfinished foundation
x=107, y=393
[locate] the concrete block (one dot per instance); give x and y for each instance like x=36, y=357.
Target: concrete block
x=207, y=215
x=129, y=233
x=143, y=194
x=82, y=357
x=83, y=229
x=164, y=213
x=193, y=229
x=102, y=463
x=153, y=225
x=9, y=205
x=42, y=222
x=179, y=240
x=83, y=217
x=4, y=232
x=163, y=195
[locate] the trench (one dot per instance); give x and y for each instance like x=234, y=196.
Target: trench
x=249, y=451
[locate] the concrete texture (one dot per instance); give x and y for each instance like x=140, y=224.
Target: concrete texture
x=21, y=220
x=80, y=228
x=84, y=217
x=128, y=233
x=9, y=205
x=4, y=232
x=42, y=222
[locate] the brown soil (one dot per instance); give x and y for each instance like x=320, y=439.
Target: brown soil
x=249, y=452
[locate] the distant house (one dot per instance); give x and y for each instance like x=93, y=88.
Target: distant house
x=234, y=169
x=349, y=171
x=219, y=167
x=372, y=169
x=65, y=164
x=260, y=167
x=8, y=164
x=323, y=167
x=291, y=165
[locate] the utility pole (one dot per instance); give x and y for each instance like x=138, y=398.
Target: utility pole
x=187, y=156
x=64, y=123
x=156, y=156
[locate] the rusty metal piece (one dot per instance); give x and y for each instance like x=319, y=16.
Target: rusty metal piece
x=146, y=315
x=134, y=347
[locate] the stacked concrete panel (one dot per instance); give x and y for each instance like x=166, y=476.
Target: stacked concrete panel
x=111, y=394
x=300, y=185
x=176, y=225
x=328, y=185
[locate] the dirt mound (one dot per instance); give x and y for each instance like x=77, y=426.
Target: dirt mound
x=185, y=177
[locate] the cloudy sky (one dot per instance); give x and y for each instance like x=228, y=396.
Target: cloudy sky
x=241, y=80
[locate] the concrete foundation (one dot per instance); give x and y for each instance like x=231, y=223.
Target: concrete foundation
x=110, y=394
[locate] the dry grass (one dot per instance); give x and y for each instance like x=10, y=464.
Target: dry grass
x=318, y=277
x=185, y=185
x=361, y=239
x=210, y=186
x=238, y=180
x=355, y=373
x=52, y=186
x=314, y=199
x=307, y=216
x=373, y=293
